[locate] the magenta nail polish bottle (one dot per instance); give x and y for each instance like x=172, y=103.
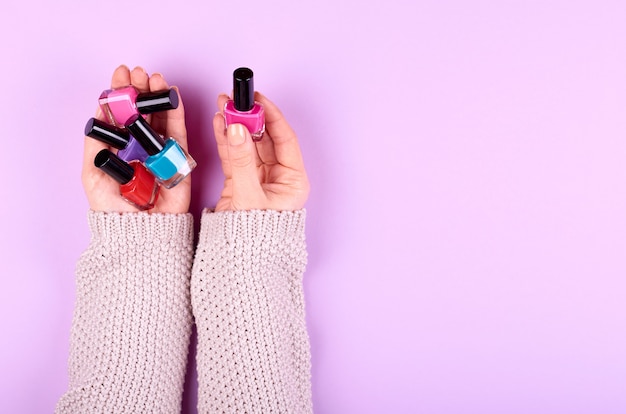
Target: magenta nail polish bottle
x=122, y=103
x=119, y=138
x=137, y=185
x=242, y=109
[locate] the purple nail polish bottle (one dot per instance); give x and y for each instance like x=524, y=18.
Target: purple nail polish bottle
x=129, y=148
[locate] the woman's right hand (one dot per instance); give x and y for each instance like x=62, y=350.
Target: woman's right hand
x=264, y=175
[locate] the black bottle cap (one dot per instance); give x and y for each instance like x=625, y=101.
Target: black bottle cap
x=149, y=139
x=111, y=164
x=243, y=89
x=109, y=134
x=149, y=102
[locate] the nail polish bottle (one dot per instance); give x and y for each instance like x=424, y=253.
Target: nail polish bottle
x=137, y=185
x=167, y=160
x=129, y=148
x=122, y=103
x=242, y=109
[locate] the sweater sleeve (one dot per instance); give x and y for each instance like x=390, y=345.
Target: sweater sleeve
x=132, y=319
x=247, y=297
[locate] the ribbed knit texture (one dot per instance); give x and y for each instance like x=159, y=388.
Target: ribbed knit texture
x=132, y=319
x=253, y=349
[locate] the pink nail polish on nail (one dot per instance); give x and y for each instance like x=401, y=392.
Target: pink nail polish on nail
x=243, y=109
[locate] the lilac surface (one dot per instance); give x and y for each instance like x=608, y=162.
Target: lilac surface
x=467, y=222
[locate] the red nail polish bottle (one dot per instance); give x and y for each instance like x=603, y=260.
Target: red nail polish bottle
x=137, y=185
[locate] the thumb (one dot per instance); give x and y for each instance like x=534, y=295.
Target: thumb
x=242, y=157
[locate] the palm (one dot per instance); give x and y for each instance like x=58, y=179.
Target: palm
x=281, y=190
x=103, y=193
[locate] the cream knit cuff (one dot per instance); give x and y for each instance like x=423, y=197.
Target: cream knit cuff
x=253, y=350
x=132, y=318
x=174, y=229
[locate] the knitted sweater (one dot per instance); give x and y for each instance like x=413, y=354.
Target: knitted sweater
x=133, y=316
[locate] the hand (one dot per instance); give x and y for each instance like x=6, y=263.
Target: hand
x=268, y=174
x=103, y=193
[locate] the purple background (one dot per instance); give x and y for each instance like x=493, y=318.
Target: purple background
x=467, y=222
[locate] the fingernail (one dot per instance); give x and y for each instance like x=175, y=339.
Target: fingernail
x=236, y=135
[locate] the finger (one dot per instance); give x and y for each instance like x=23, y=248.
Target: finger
x=221, y=101
x=239, y=150
x=266, y=151
x=219, y=129
x=221, y=138
x=286, y=147
x=121, y=77
x=157, y=83
x=158, y=120
x=242, y=159
x=171, y=123
x=139, y=79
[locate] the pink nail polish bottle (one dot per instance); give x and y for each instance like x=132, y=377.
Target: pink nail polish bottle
x=122, y=103
x=242, y=109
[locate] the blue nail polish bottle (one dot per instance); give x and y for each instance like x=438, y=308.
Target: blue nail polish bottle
x=167, y=160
